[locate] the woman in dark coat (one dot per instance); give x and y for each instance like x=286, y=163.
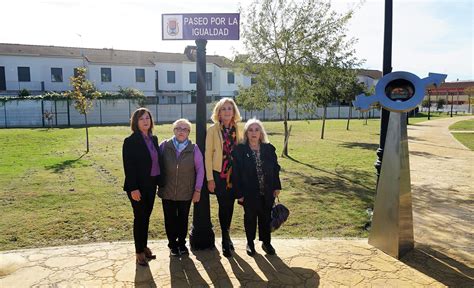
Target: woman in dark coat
x=256, y=183
x=141, y=165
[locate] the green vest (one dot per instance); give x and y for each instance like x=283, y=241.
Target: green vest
x=178, y=174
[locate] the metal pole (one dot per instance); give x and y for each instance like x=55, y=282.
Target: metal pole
x=5, y=112
x=100, y=111
x=452, y=103
x=201, y=235
x=429, y=103
x=68, y=114
x=42, y=112
x=387, y=68
x=56, y=112
x=156, y=108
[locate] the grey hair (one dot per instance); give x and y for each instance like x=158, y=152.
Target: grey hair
x=263, y=133
x=182, y=120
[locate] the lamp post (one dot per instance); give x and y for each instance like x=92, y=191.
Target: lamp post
x=387, y=68
x=201, y=235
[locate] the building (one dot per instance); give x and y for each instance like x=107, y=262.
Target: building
x=167, y=77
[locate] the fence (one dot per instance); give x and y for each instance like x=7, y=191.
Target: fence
x=61, y=113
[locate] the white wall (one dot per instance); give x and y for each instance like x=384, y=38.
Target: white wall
x=40, y=71
x=122, y=76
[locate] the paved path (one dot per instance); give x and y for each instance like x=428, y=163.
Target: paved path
x=442, y=177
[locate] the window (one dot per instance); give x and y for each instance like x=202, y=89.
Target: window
x=171, y=76
x=230, y=78
x=24, y=74
x=106, y=74
x=140, y=75
x=208, y=81
x=193, y=77
x=56, y=74
x=172, y=99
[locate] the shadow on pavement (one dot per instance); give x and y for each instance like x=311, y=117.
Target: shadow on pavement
x=183, y=273
x=211, y=261
x=281, y=275
x=143, y=277
x=439, y=266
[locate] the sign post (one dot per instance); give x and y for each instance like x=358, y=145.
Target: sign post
x=201, y=27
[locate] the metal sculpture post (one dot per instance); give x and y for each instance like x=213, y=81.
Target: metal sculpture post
x=392, y=224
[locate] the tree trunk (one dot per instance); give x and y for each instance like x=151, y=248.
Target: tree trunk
x=87, y=134
x=349, y=115
x=324, y=122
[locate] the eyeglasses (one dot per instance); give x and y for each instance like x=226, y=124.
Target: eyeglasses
x=181, y=129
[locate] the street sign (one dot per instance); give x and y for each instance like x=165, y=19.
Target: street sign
x=222, y=26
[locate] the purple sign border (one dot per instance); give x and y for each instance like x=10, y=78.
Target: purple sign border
x=202, y=28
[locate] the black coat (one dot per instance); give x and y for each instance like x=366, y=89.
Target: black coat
x=137, y=163
x=244, y=173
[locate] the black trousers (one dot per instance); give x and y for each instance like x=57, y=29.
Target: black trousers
x=176, y=221
x=141, y=217
x=257, y=212
x=226, y=201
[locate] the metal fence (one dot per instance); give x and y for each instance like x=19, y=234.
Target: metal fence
x=61, y=113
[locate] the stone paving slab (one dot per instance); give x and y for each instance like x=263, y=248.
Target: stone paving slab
x=298, y=263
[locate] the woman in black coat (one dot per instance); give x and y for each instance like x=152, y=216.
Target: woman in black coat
x=256, y=182
x=141, y=165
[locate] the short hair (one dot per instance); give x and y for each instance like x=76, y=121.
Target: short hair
x=263, y=133
x=182, y=120
x=136, y=115
x=217, y=109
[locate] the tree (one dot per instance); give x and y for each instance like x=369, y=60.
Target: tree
x=83, y=93
x=354, y=88
x=469, y=92
x=440, y=103
x=253, y=98
x=282, y=39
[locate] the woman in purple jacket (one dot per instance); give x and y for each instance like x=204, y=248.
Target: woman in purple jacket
x=142, y=168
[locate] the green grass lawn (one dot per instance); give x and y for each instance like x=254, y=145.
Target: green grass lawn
x=52, y=194
x=423, y=116
x=467, y=139
x=465, y=125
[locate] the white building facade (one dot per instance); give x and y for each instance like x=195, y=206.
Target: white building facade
x=169, y=77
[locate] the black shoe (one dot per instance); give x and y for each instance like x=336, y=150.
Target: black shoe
x=250, y=250
x=226, y=249
x=174, y=251
x=226, y=238
x=268, y=248
x=183, y=250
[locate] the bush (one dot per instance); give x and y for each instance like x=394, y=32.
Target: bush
x=440, y=104
x=24, y=92
x=130, y=93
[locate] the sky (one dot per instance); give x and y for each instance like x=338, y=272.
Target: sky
x=428, y=35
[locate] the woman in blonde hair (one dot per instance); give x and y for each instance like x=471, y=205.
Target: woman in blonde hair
x=256, y=183
x=221, y=139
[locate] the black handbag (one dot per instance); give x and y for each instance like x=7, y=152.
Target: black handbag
x=279, y=215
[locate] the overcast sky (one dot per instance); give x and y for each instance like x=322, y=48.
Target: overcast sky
x=428, y=35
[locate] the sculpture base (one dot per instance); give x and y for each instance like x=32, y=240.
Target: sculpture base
x=392, y=225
